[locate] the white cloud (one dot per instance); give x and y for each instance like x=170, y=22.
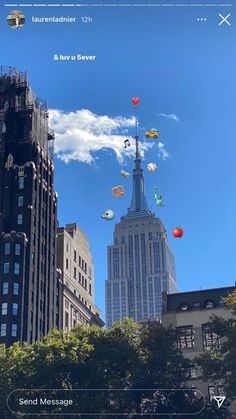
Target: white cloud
x=170, y=116
x=162, y=152
x=80, y=134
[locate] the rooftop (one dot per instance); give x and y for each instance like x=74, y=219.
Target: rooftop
x=193, y=300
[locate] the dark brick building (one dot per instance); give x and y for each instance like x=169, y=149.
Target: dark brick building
x=29, y=301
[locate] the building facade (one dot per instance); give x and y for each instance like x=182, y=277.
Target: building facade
x=189, y=313
x=74, y=260
x=141, y=264
x=29, y=295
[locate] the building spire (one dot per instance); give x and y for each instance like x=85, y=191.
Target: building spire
x=137, y=154
x=138, y=202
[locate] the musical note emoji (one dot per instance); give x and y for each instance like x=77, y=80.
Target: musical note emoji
x=127, y=143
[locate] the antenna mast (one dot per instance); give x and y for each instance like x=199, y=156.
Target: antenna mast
x=137, y=139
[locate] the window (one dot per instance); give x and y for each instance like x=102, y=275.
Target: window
x=4, y=309
x=7, y=248
x=6, y=267
x=193, y=371
x=67, y=320
x=5, y=288
x=220, y=390
x=67, y=246
x=67, y=263
x=21, y=182
x=17, y=249
x=15, y=288
x=184, y=307
x=196, y=305
x=3, y=329
x=14, y=330
x=75, y=255
x=79, y=260
x=211, y=392
x=185, y=337
x=79, y=277
x=209, y=304
x=19, y=219
x=14, y=309
x=194, y=391
x=90, y=289
x=20, y=201
x=211, y=341
x=16, y=268
x=75, y=272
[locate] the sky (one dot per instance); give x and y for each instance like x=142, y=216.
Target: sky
x=183, y=70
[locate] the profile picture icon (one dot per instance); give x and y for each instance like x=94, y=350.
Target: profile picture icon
x=16, y=19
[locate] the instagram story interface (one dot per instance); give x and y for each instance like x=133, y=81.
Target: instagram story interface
x=117, y=209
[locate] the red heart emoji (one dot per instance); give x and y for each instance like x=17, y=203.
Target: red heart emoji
x=135, y=100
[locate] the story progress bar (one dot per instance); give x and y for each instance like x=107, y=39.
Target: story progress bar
x=115, y=5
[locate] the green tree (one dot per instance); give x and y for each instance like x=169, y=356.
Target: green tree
x=44, y=364
x=128, y=356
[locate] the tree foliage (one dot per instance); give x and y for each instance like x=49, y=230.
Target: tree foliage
x=128, y=356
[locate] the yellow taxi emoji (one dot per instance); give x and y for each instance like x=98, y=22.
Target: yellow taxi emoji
x=152, y=133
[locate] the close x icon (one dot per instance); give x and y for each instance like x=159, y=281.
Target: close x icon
x=224, y=19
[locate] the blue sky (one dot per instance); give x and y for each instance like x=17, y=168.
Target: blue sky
x=176, y=65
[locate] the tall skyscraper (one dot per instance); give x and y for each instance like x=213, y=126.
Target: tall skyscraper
x=28, y=214
x=140, y=262
x=74, y=259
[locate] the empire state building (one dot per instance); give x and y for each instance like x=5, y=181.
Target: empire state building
x=141, y=264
